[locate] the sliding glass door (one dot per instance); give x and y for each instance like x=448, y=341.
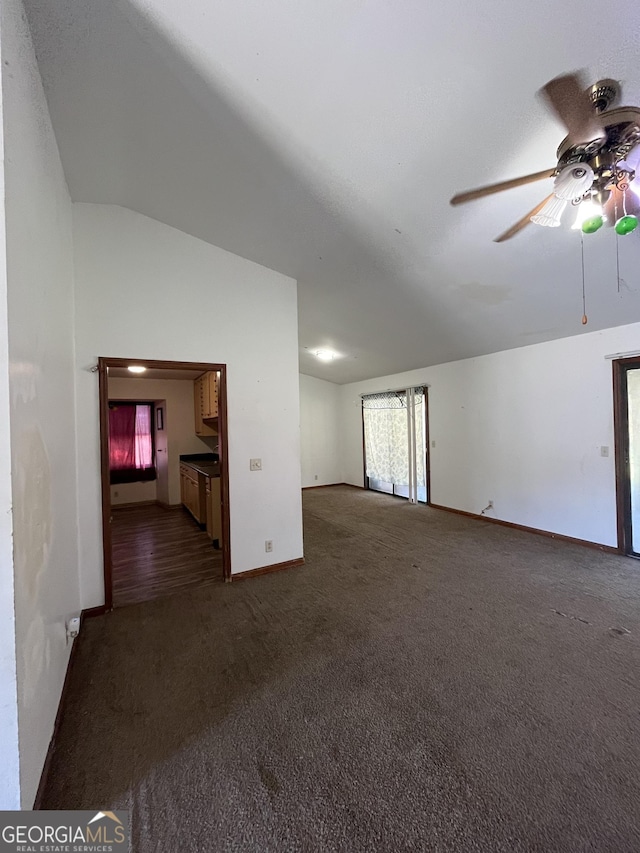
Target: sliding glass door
x=627, y=398
x=395, y=444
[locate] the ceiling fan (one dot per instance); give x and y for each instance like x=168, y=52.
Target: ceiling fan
x=591, y=172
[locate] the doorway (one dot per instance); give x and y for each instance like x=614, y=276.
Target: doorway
x=156, y=545
x=626, y=393
x=395, y=441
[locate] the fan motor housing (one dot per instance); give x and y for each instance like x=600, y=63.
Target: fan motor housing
x=622, y=127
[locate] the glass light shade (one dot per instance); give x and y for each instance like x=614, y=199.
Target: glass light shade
x=586, y=210
x=593, y=224
x=573, y=181
x=626, y=224
x=551, y=213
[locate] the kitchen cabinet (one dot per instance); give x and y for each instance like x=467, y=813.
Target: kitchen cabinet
x=205, y=400
x=192, y=493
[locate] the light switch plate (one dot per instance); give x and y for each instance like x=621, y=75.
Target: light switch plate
x=255, y=464
x=604, y=450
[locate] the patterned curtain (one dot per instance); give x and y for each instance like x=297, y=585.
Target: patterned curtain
x=386, y=437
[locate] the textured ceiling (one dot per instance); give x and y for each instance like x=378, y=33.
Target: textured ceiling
x=324, y=140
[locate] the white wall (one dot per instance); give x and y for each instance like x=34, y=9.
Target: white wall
x=523, y=428
x=179, y=424
x=320, y=455
x=10, y=764
x=145, y=290
x=40, y=279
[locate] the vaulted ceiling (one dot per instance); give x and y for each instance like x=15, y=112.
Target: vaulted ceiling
x=324, y=139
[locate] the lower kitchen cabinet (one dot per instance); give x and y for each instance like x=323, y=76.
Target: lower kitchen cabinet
x=192, y=493
x=200, y=494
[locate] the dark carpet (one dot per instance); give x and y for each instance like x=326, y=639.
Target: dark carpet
x=426, y=682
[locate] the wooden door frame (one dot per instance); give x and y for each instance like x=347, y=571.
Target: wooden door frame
x=104, y=364
x=621, y=450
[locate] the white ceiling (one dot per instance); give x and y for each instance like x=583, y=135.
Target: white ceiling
x=324, y=140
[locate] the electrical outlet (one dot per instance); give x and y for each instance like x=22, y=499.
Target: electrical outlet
x=433, y=443
x=268, y=545
x=490, y=504
x=73, y=627
x=255, y=464
x=316, y=477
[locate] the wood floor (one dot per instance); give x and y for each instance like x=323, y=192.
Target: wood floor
x=158, y=551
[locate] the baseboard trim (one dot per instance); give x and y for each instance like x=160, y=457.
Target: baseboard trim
x=609, y=549
x=266, y=570
x=92, y=611
x=132, y=504
x=331, y=485
x=85, y=614
x=322, y=486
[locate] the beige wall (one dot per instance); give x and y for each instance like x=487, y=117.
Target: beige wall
x=179, y=426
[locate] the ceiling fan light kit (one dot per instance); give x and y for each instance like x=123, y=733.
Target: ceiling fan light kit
x=551, y=213
x=626, y=224
x=591, y=171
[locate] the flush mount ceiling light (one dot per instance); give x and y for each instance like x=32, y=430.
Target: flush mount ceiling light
x=591, y=168
x=136, y=368
x=325, y=354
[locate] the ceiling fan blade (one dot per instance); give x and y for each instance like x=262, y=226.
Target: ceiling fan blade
x=568, y=98
x=471, y=195
x=522, y=223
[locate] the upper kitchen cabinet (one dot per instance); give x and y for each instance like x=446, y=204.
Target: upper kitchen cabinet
x=205, y=398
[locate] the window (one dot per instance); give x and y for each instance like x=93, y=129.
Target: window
x=131, y=447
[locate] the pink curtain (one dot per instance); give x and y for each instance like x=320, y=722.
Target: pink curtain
x=130, y=442
x=122, y=432
x=143, y=445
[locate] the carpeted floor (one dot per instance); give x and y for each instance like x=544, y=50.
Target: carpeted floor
x=426, y=682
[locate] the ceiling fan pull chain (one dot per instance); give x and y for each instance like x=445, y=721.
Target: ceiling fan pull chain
x=584, y=298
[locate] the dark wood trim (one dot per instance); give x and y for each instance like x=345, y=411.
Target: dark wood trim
x=37, y=803
x=333, y=485
x=86, y=614
x=90, y=612
x=609, y=549
x=621, y=450
x=103, y=392
x=223, y=455
x=322, y=486
x=162, y=365
x=266, y=570
x=131, y=504
x=427, y=461
x=104, y=363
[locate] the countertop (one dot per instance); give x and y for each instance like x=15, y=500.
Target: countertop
x=206, y=464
